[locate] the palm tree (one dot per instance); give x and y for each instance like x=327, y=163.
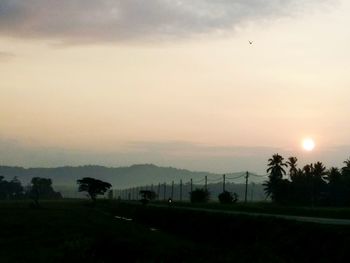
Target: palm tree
x=333, y=175
x=308, y=170
x=347, y=162
x=292, y=163
x=275, y=168
x=346, y=169
x=319, y=170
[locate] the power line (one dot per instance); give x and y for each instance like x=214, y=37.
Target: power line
x=236, y=177
x=259, y=175
x=199, y=181
x=215, y=180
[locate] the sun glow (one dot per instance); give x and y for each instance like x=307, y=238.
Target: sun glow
x=308, y=144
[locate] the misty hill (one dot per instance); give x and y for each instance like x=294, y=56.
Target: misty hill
x=64, y=178
x=120, y=177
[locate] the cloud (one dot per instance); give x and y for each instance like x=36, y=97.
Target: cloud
x=125, y=20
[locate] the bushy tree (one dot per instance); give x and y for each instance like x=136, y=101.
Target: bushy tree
x=227, y=197
x=41, y=188
x=147, y=195
x=199, y=195
x=11, y=189
x=93, y=187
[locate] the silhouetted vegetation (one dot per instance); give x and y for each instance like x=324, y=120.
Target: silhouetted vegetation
x=146, y=196
x=314, y=184
x=93, y=187
x=41, y=188
x=199, y=196
x=227, y=197
x=240, y=238
x=138, y=174
x=11, y=189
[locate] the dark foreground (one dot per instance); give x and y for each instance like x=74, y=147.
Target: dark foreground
x=75, y=231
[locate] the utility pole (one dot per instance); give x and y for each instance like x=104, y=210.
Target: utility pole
x=181, y=190
x=172, y=190
x=206, y=183
x=158, y=192
x=191, y=185
x=246, y=187
x=164, y=192
x=223, y=182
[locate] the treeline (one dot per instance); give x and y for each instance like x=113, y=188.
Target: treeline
x=312, y=184
x=38, y=188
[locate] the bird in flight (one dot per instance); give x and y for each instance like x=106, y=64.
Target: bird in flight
x=250, y=42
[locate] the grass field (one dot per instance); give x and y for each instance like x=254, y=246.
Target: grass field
x=270, y=208
x=75, y=231
x=71, y=231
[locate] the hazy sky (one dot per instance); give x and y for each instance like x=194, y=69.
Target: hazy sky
x=173, y=82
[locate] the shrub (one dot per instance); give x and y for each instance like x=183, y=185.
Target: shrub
x=146, y=196
x=199, y=196
x=228, y=198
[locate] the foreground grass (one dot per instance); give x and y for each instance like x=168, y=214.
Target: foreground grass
x=74, y=231
x=242, y=238
x=270, y=208
x=71, y=231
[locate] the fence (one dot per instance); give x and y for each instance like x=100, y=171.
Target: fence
x=181, y=190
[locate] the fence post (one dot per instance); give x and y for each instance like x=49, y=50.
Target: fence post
x=180, y=189
x=164, y=192
x=172, y=190
x=223, y=182
x=246, y=187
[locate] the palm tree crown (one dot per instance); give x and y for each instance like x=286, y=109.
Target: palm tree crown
x=292, y=163
x=275, y=165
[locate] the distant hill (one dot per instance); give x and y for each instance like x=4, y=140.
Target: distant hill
x=120, y=177
x=64, y=178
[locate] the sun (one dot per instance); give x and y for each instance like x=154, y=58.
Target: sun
x=308, y=144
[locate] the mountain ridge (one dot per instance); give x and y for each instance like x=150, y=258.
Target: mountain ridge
x=124, y=176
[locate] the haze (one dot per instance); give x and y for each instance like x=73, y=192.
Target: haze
x=174, y=83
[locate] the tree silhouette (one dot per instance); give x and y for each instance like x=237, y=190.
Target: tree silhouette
x=319, y=170
x=333, y=175
x=227, y=197
x=312, y=185
x=335, y=187
x=146, y=196
x=93, y=187
x=345, y=183
x=346, y=168
x=318, y=183
x=41, y=188
x=274, y=186
x=199, y=196
x=292, y=163
x=10, y=189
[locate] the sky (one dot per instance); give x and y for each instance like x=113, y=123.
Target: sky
x=174, y=83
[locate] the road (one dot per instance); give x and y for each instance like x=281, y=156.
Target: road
x=317, y=220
